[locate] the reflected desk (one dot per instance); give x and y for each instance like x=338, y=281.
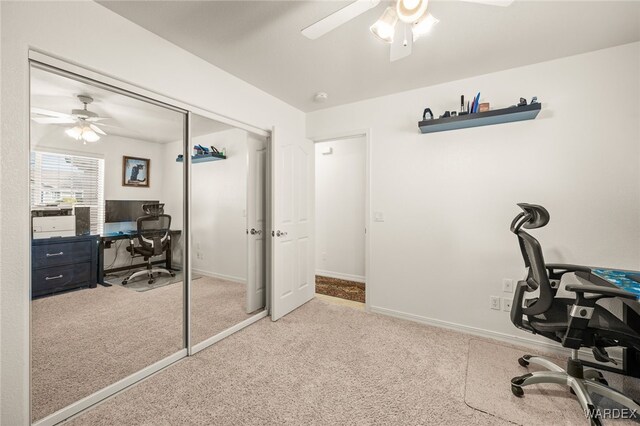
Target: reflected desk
x=108, y=238
x=624, y=280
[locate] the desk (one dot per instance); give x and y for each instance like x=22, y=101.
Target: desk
x=630, y=312
x=107, y=239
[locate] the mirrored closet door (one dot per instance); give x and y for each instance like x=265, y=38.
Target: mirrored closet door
x=228, y=223
x=107, y=214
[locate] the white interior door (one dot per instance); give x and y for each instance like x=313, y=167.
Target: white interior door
x=292, y=171
x=256, y=223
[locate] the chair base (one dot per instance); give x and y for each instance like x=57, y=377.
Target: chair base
x=580, y=381
x=149, y=273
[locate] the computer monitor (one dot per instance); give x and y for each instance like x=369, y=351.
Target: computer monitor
x=124, y=210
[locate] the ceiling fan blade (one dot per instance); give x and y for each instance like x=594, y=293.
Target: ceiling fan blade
x=503, y=3
x=402, y=43
x=97, y=129
x=53, y=120
x=338, y=18
x=96, y=119
x=49, y=113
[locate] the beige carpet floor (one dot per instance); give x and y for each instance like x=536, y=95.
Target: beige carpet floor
x=323, y=364
x=320, y=365
x=85, y=340
x=490, y=369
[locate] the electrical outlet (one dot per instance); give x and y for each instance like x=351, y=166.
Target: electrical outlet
x=494, y=302
x=506, y=304
x=507, y=285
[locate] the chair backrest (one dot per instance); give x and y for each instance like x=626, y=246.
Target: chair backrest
x=534, y=216
x=154, y=232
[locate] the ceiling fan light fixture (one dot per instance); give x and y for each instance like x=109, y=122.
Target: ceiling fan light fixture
x=409, y=11
x=89, y=135
x=385, y=27
x=83, y=134
x=423, y=25
x=74, y=132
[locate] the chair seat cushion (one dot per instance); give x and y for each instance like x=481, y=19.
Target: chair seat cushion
x=140, y=250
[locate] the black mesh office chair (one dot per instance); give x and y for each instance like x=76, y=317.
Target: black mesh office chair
x=154, y=238
x=574, y=322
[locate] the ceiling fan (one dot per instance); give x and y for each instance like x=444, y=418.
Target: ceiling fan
x=412, y=15
x=85, y=129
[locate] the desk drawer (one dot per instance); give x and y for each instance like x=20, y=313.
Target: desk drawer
x=57, y=278
x=63, y=253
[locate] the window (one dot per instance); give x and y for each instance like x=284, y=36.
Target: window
x=70, y=180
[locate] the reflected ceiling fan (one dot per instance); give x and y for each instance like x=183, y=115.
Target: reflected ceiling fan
x=86, y=122
x=412, y=15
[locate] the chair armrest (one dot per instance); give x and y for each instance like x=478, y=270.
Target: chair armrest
x=557, y=270
x=600, y=291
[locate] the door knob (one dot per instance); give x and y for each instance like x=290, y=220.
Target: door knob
x=254, y=231
x=280, y=234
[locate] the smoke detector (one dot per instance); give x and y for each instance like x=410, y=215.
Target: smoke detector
x=321, y=97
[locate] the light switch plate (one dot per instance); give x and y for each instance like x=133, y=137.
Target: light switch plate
x=378, y=216
x=494, y=303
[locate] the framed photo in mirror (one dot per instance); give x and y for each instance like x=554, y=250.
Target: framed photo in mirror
x=135, y=171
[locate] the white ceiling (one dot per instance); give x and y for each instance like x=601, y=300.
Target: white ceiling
x=128, y=117
x=260, y=42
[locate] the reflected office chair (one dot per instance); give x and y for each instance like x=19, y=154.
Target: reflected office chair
x=154, y=239
x=574, y=322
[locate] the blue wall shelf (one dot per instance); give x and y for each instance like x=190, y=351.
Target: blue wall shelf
x=496, y=116
x=203, y=158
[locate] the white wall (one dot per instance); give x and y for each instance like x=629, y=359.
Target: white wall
x=448, y=198
x=218, y=208
x=113, y=46
x=340, y=208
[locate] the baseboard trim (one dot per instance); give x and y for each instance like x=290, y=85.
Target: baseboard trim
x=341, y=276
x=481, y=332
x=221, y=276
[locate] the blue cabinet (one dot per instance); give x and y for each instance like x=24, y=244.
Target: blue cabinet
x=60, y=264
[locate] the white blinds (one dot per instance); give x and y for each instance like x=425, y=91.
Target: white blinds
x=69, y=179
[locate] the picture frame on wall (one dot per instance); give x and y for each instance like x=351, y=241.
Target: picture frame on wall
x=135, y=171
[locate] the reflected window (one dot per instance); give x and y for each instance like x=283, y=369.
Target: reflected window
x=68, y=180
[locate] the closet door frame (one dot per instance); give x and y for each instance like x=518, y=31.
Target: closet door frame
x=52, y=64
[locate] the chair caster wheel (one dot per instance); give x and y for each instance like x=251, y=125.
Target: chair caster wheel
x=151, y=281
x=517, y=391
x=124, y=282
x=524, y=361
x=173, y=274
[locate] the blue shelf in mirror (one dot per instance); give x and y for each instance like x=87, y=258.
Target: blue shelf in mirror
x=203, y=158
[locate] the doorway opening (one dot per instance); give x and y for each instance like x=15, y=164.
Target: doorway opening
x=341, y=218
